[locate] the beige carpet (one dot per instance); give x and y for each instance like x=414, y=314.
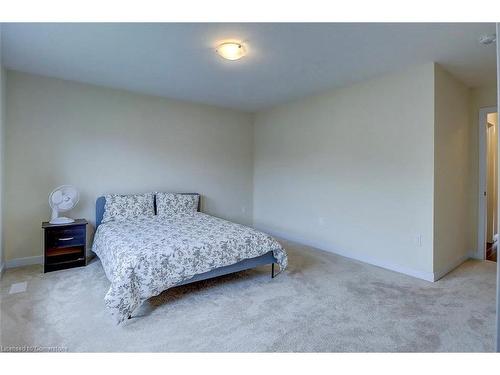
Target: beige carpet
x=322, y=303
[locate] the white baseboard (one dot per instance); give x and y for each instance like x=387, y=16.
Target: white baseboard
x=440, y=273
x=428, y=276
x=20, y=262
x=28, y=261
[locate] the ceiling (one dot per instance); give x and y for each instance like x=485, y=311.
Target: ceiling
x=284, y=61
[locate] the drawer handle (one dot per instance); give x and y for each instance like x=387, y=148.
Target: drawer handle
x=66, y=239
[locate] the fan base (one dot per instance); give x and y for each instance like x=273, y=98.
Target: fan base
x=61, y=220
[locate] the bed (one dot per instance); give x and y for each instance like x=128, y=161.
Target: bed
x=144, y=256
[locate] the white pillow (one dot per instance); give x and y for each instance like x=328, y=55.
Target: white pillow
x=125, y=207
x=171, y=204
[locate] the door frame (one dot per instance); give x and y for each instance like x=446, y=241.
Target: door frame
x=481, y=217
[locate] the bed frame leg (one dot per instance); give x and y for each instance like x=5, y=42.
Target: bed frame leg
x=272, y=271
x=129, y=317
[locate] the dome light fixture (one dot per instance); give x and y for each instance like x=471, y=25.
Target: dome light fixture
x=231, y=50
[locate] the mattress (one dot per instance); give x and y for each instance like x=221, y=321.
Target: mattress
x=145, y=256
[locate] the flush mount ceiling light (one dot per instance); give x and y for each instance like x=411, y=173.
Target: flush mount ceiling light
x=231, y=50
x=488, y=39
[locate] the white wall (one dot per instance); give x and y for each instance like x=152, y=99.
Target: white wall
x=109, y=141
x=453, y=240
x=2, y=148
x=498, y=263
x=352, y=171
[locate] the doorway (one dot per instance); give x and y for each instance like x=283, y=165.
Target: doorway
x=488, y=238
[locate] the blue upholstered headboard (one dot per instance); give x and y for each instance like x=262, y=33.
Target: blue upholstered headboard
x=99, y=210
x=101, y=202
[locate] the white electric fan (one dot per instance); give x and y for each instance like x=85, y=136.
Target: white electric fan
x=62, y=199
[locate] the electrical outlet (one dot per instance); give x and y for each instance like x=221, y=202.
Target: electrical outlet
x=419, y=240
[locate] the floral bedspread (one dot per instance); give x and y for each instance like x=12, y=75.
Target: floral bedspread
x=144, y=256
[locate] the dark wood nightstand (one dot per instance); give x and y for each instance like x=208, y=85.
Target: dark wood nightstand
x=64, y=245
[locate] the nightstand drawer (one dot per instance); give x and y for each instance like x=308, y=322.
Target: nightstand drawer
x=66, y=237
